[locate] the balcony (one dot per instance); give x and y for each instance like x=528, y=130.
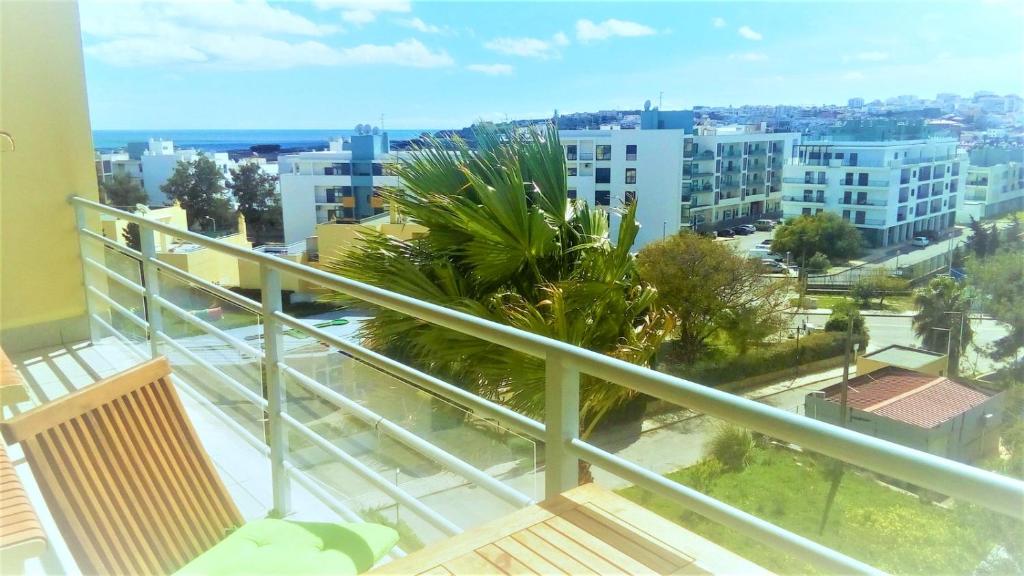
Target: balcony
x=804, y=199
x=586, y=156
x=807, y=181
x=298, y=415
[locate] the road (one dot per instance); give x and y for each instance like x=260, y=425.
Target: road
x=888, y=330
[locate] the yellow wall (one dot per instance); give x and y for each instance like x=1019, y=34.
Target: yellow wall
x=333, y=238
x=43, y=107
x=175, y=215
x=210, y=265
x=936, y=367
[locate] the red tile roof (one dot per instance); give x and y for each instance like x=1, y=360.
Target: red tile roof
x=907, y=396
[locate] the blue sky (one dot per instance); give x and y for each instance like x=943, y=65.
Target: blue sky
x=335, y=63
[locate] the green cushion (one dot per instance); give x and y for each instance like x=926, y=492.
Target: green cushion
x=271, y=546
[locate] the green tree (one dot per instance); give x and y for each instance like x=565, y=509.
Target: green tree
x=256, y=195
x=198, y=186
x=878, y=285
x=1014, y=234
x=506, y=244
x=999, y=281
x=710, y=289
x=122, y=191
x=824, y=232
x=132, y=236
x=942, y=322
x=842, y=314
x=817, y=263
x=978, y=243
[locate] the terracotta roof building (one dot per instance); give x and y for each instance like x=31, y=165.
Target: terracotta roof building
x=935, y=414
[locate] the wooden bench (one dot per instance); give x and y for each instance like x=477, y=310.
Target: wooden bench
x=21, y=535
x=587, y=530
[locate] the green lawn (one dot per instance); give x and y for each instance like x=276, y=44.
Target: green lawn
x=892, y=303
x=889, y=529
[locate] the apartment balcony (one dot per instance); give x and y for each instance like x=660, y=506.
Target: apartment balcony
x=871, y=203
x=871, y=222
x=586, y=156
x=703, y=156
x=757, y=152
x=806, y=181
x=299, y=417
x=732, y=154
x=867, y=184
x=803, y=199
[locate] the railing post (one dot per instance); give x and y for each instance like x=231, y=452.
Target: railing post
x=562, y=424
x=90, y=310
x=270, y=289
x=151, y=282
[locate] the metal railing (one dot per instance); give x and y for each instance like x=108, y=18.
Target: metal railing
x=559, y=432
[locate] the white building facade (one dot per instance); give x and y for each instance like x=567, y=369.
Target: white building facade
x=340, y=184
x=712, y=179
x=994, y=185
x=890, y=190
x=161, y=158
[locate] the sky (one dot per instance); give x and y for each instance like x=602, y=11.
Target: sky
x=252, y=64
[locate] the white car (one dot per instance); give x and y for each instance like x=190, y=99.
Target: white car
x=919, y=241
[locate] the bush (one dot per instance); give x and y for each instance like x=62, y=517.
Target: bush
x=818, y=263
x=705, y=472
x=839, y=320
x=878, y=285
x=731, y=446
x=813, y=347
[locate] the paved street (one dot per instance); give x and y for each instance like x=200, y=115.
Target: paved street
x=888, y=330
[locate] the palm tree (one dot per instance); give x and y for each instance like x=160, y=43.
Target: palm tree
x=942, y=322
x=506, y=243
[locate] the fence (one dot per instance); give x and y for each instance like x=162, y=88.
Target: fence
x=559, y=432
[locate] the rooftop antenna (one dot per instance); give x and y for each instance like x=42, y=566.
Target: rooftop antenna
x=661, y=94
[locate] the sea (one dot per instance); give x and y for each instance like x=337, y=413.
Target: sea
x=224, y=140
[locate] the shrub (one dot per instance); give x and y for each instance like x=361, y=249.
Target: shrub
x=840, y=317
x=733, y=447
x=878, y=285
x=705, y=472
x=813, y=347
x=818, y=263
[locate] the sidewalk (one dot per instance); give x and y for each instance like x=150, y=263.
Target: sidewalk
x=880, y=313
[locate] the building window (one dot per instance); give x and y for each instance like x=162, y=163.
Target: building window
x=630, y=151
x=846, y=215
x=630, y=175
x=858, y=218
x=602, y=198
x=572, y=171
x=603, y=152
x=862, y=179
x=630, y=196
x=377, y=169
x=925, y=173
x=806, y=211
x=570, y=152
x=571, y=193
x=603, y=176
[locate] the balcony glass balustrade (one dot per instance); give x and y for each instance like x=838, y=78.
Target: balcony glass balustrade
x=310, y=397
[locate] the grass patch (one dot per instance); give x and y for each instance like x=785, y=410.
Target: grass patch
x=890, y=529
x=904, y=303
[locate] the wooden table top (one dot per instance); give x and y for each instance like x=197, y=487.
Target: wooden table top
x=587, y=530
x=19, y=525
x=12, y=386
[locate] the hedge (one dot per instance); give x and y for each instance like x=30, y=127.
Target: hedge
x=813, y=347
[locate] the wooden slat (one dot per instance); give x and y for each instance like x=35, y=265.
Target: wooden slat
x=593, y=562
x=125, y=476
x=551, y=553
x=436, y=571
x=626, y=563
x=506, y=562
x=19, y=525
x=657, y=557
x=471, y=564
x=533, y=560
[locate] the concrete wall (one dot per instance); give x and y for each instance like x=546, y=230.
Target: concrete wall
x=43, y=107
x=936, y=367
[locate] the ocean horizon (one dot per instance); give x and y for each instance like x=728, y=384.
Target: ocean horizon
x=223, y=140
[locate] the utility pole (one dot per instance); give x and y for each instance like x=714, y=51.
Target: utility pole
x=838, y=467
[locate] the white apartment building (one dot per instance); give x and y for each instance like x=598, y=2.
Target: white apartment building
x=160, y=159
x=891, y=190
x=341, y=183
x=994, y=185
x=709, y=178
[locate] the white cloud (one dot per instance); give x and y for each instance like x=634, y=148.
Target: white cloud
x=491, y=69
x=363, y=11
x=231, y=34
x=420, y=25
x=587, y=30
x=749, y=33
x=529, y=47
x=749, y=56
x=718, y=22
x=872, y=56
x=147, y=18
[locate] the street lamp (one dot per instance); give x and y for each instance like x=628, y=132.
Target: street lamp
x=212, y=221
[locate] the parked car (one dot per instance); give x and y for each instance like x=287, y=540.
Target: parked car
x=764, y=224
x=744, y=230
x=919, y=241
x=726, y=233
x=763, y=253
x=767, y=243
x=773, y=266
